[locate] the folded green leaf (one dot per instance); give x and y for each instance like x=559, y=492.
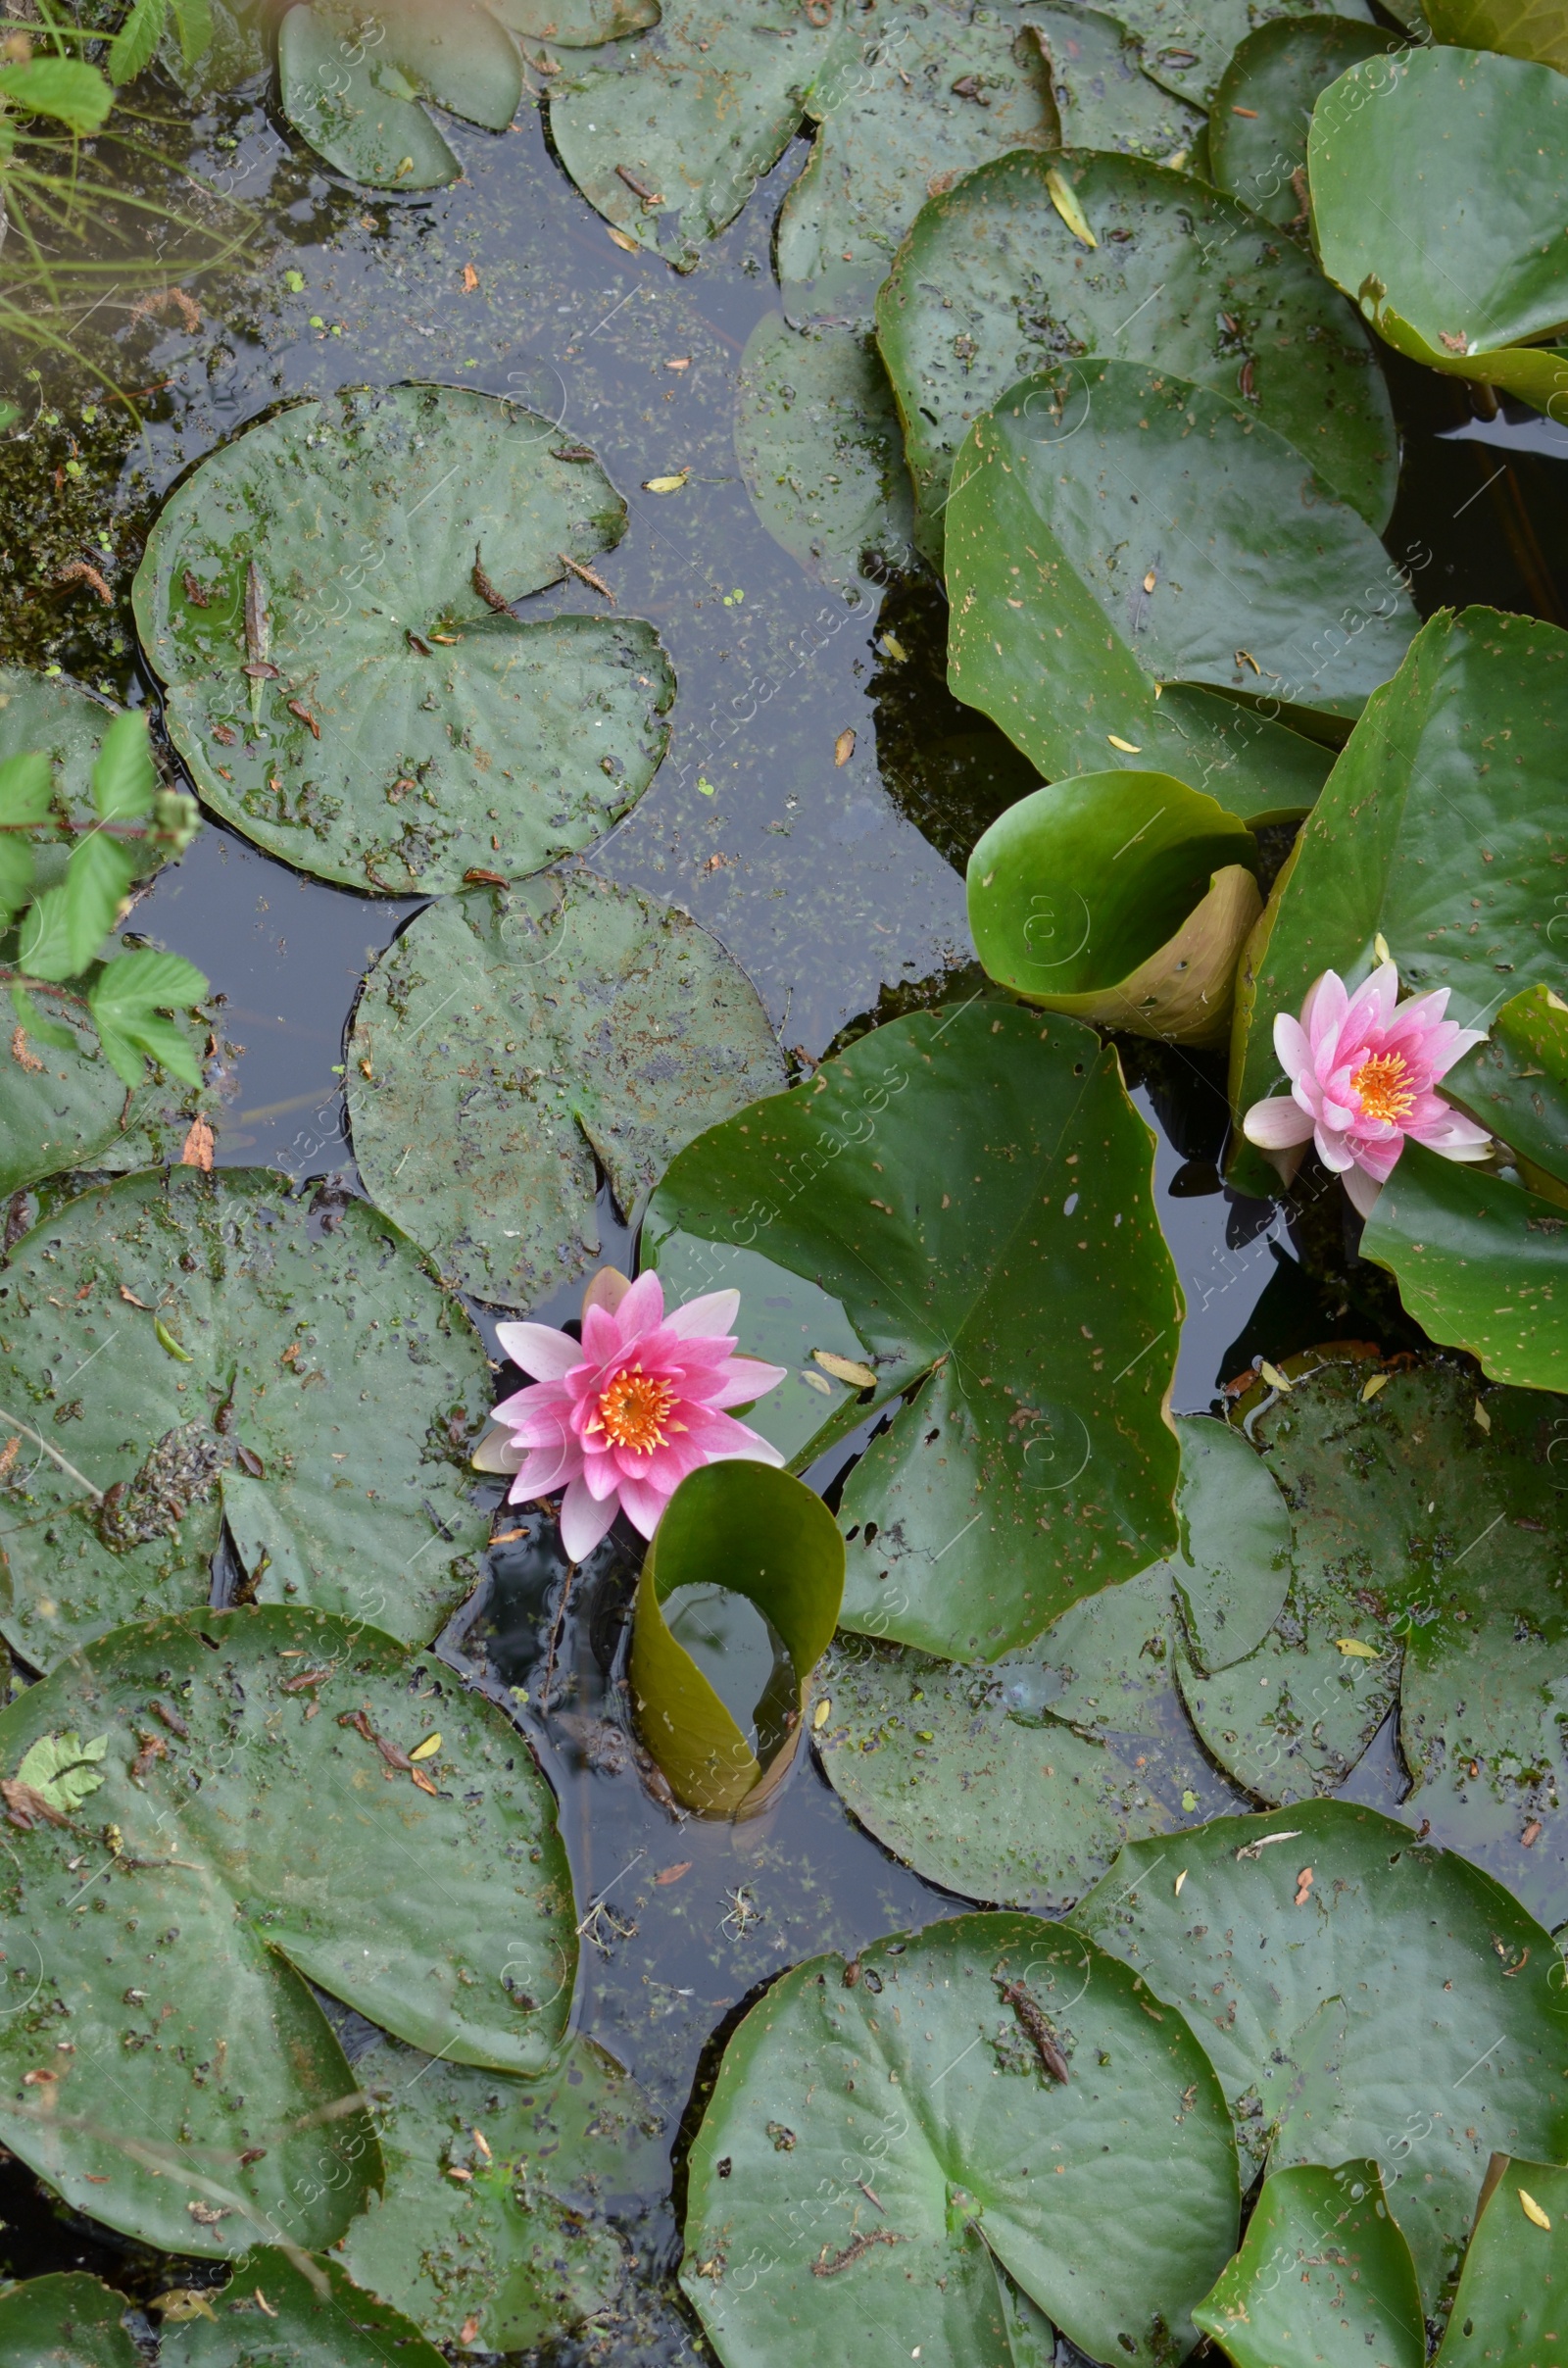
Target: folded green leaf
x=1324, y=2276
x=67, y=89
x=125, y=782
x=1516, y=1083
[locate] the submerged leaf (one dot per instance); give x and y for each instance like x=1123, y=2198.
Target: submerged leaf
x=817, y=441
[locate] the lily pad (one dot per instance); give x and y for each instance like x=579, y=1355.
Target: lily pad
x=1441, y=831
x=1174, y=900
x=1088, y=570
x=1480, y=1266
x=509, y=2231
x=1516, y=1084
x=1439, y=184
x=67, y=2320
x=1263, y=107
x=280, y=2308
x=991, y=285
x=1187, y=43
x=741, y=1529
x=1513, y=2280
x=351, y=79
x=509, y=1040
x=1233, y=1566
x=974, y=1188
x=401, y=732
x=1521, y=28
x=178, y=1349
x=574, y=24
x=1110, y=2196
x=1406, y=2010
x=1323, y=2276
x=1104, y=97
x=818, y=441
x=256, y=1842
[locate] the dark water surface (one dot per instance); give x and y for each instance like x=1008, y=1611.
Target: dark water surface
x=836, y=888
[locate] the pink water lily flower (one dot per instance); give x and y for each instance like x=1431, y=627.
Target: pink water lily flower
x=621, y=1418
x=1361, y=1068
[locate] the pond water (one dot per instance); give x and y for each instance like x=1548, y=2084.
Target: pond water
x=837, y=887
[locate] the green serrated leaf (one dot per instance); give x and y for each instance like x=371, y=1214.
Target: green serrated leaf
x=73, y=93
x=64, y=1769
x=146, y=980
x=193, y=20
x=128, y=1065
x=45, y=948
x=134, y=45
x=125, y=782
x=16, y=878
x=97, y=876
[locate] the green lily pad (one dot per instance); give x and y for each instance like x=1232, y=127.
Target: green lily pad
x=67, y=2320
x=1439, y=187
x=991, y=286
x=177, y=1350
x=508, y=1040
x=1111, y=2198
x=1323, y=2276
x=818, y=441
x=1187, y=43
x=1104, y=97
x=1521, y=28
x=1174, y=900
x=313, y=2317
x=739, y=1529
x=574, y=24
x=255, y=1845
x=1511, y=2285
x=1429, y=835
x=412, y=734
x=973, y=1187
x=666, y=136
x=1343, y=2027
x=519, y=2242
x=1263, y=107
x=1090, y=564
x=1516, y=1084
x=351, y=79
x=1480, y=1266
x=1233, y=1567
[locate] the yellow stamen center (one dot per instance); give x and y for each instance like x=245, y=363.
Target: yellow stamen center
x=634, y=1410
x=1381, y=1082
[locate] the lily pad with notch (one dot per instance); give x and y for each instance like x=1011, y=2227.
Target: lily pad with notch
x=1323, y=2271
x=351, y=75
x=1263, y=107
x=1027, y=2096
x=1478, y=1262
x=1187, y=43
x=328, y=599
x=266, y=1827
x=993, y=285
x=66, y=2317
x=973, y=1187
x=1088, y=571
x=182, y=1349
x=509, y=1040
x=1333, y=2009
x=818, y=441
x=1438, y=180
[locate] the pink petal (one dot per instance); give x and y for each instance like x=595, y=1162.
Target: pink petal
x=746, y=1379
x=713, y=1313
x=545, y=1469
x=1451, y=1134
x=643, y=1307
x=600, y=1472
x=602, y=1339
x=1276, y=1124
x=644, y=1503
x=530, y=1400
x=1361, y=1191
x=1372, y=1006
x=540, y=1349
x=1333, y=1151
x=1324, y=1008
x=496, y=1453
x=583, y=1522
x=1380, y=1160
x=1293, y=1046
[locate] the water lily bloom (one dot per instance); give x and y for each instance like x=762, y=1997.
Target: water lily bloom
x=1362, y=1069
x=621, y=1418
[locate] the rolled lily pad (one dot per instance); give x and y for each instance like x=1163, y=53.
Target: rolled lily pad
x=395, y=732
x=517, y=2241
x=1185, y=43
x=178, y=1348
x=1521, y=28
x=281, y=2307
x=818, y=441
x=1406, y=2009
x=266, y=1830
x=1088, y=568
x=1516, y=1085
x=351, y=79
x=1110, y=2195
x=1440, y=181
x=67, y=2318
x=1427, y=836
x=993, y=285
x=973, y=1187
x=1263, y=107
x=1323, y=2276
x=739, y=1529
x=509, y=1040
x=1174, y=899
x=1513, y=2281
x=1480, y=1264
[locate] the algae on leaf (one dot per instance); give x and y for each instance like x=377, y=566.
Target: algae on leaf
x=179, y=1349
x=509, y=1041
x=319, y=596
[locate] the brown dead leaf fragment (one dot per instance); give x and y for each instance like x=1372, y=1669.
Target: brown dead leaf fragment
x=485, y=588
x=306, y=1678
x=207, y=2214
x=77, y=572
x=1304, y=1886
x=470, y=280
x=297, y=706
x=843, y=747
x=470, y=2327
x=20, y=1052
x=196, y=1150
x=153, y=1748
x=131, y=1300
x=1531, y=1835
x=638, y=188
x=476, y=876
x=853, y=2251
x=572, y=451
x=224, y=737
x=196, y=593
x=674, y=1874
x=162, y=301
x=595, y=584
x=398, y=1762
x=26, y=1807
x=1035, y=2027
x=8, y=1456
